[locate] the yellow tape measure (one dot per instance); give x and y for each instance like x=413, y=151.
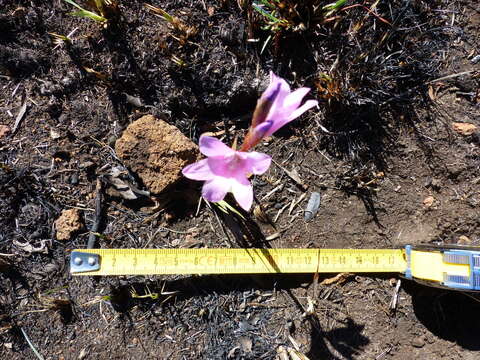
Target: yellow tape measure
x=234, y=261
x=453, y=267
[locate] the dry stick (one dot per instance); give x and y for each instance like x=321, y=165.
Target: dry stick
x=98, y=213
x=451, y=76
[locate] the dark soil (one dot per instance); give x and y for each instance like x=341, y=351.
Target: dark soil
x=380, y=143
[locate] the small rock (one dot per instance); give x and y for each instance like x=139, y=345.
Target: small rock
x=86, y=164
x=464, y=240
x=436, y=184
x=68, y=223
x=4, y=130
x=475, y=59
x=464, y=129
x=428, y=201
x=156, y=151
x=312, y=206
x=433, y=183
x=54, y=134
x=418, y=342
x=74, y=179
x=245, y=344
x=50, y=268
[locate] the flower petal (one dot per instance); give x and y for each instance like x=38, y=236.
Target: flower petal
x=274, y=79
x=258, y=162
x=276, y=108
x=226, y=166
x=198, y=171
x=243, y=192
x=215, y=190
x=210, y=146
x=294, y=99
x=308, y=105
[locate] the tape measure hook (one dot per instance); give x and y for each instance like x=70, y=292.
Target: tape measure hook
x=83, y=262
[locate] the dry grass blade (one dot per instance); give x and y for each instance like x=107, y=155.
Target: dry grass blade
x=37, y=354
x=20, y=116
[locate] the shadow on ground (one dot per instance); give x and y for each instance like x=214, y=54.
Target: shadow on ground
x=201, y=295
x=450, y=315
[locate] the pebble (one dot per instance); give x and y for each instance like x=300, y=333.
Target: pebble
x=464, y=240
x=418, y=342
x=246, y=344
x=464, y=129
x=74, y=179
x=312, y=206
x=475, y=59
x=54, y=134
x=4, y=130
x=49, y=268
x=428, y=201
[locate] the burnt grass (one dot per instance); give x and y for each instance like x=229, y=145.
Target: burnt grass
x=379, y=144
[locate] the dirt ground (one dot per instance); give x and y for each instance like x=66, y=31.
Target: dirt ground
x=392, y=78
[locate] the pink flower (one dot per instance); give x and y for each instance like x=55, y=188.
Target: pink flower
x=277, y=106
x=226, y=170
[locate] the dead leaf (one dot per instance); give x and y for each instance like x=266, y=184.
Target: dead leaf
x=117, y=177
x=464, y=128
x=337, y=279
x=261, y=215
x=29, y=248
x=97, y=74
x=431, y=93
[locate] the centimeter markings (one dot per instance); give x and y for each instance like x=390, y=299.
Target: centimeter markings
x=245, y=261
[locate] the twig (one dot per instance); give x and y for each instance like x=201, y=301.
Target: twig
x=98, y=214
x=394, y=302
x=279, y=187
x=37, y=354
x=280, y=213
x=450, y=76
x=295, y=203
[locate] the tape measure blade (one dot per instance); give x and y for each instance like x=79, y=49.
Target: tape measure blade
x=244, y=261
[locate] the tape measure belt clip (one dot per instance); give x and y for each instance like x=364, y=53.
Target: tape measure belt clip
x=463, y=257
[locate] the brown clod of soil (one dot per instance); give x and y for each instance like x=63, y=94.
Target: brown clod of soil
x=464, y=128
x=4, y=130
x=68, y=223
x=156, y=151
